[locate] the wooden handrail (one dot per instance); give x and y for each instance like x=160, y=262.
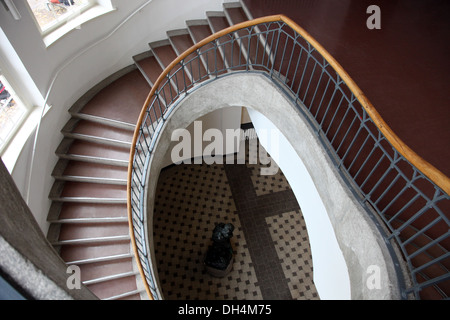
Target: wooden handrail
x=435, y=175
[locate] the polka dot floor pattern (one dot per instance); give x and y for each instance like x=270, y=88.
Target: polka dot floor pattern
x=272, y=258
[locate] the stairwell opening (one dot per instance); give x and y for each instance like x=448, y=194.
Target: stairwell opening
x=344, y=242
x=272, y=257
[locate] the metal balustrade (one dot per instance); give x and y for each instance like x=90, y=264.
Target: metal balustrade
x=406, y=197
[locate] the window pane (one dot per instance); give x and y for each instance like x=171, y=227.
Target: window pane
x=11, y=111
x=48, y=13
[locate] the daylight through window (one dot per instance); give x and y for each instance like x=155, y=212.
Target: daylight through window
x=51, y=14
x=12, y=112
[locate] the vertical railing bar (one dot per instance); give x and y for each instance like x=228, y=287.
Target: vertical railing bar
x=358, y=153
x=305, y=68
x=329, y=104
x=365, y=161
x=184, y=75
x=309, y=82
x=299, y=58
x=317, y=87
x=257, y=48
x=247, y=66
x=347, y=132
x=326, y=113
x=271, y=62
x=323, y=96
x=276, y=52
x=282, y=57
x=232, y=43
x=290, y=61
x=332, y=120
x=351, y=144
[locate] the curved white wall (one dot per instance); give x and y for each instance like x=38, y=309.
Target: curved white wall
x=331, y=283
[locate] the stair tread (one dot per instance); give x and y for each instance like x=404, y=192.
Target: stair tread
x=122, y=100
x=97, y=239
x=90, y=220
x=91, y=231
x=183, y=42
x=100, y=259
x=92, y=149
x=236, y=14
x=102, y=120
x=93, y=129
x=200, y=32
x=104, y=269
x=165, y=54
x=86, y=210
x=85, y=252
x=231, y=51
x=151, y=68
x=114, y=288
x=92, y=190
x=96, y=170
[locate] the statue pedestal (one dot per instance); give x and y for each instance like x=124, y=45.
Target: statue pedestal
x=218, y=273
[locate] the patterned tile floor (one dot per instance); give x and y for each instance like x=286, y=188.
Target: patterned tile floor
x=272, y=258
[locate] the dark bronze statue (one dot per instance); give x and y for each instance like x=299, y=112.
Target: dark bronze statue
x=219, y=256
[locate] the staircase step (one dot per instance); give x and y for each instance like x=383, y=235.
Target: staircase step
x=232, y=53
x=121, y=100
x=127, y=295
x=105, y=121
x=199, y=30
x=88, y=210
x=100, y=259
x=93, y=230
x=165, y=54
x=96, y=240
x=250, y=43
x=106, y=270
x=97, y=133
x=149, y=67
x=84, y=190
x=79, y=150
x=91, y=220
x=182, y=41
x=94, y=251
x=115, y=289
x=109, y=278
x=79, y=171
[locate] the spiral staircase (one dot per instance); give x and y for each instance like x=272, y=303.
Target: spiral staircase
x=88, y=216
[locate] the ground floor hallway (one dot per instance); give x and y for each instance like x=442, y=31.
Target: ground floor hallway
x=272, y=257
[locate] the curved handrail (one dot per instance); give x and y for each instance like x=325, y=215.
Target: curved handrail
x=436, y=177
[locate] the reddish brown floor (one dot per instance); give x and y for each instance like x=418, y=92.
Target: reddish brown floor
x=403, y=68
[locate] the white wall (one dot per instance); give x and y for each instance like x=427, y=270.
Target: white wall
x=330, y=270
x=77, y=69
x=221, y=119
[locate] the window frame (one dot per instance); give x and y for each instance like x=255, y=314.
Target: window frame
x=59, y=29
x=65, y=19
x=27, y=110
